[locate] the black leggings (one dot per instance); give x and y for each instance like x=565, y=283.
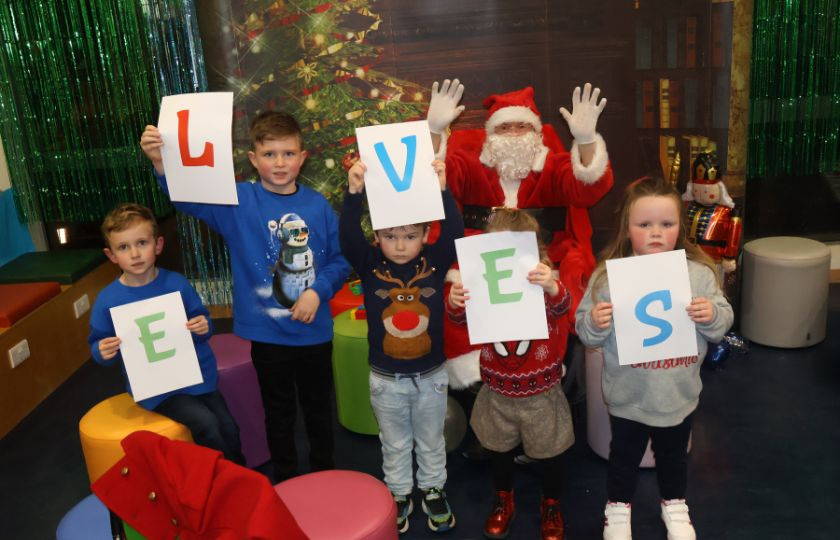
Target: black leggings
x=551, y=473
x=629, y=441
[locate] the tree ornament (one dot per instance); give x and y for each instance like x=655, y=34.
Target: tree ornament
x=349, y=159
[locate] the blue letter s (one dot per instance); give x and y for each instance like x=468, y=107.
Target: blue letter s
x=665, y=328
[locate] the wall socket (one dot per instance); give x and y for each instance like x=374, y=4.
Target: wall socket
x=81, y=306
x=18, y=353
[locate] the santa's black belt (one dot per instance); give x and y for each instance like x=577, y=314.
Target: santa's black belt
x=551, y=219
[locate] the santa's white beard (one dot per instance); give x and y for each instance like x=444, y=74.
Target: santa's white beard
x=513, y=159
x=513, y=156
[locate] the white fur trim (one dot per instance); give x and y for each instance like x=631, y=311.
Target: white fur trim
x=596, y=169
x=464, y=370
x=441, y=153
x=453, y=276
x=514, y=113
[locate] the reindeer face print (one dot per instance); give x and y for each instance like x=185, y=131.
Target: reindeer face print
x=406, y=319
x=402, y=244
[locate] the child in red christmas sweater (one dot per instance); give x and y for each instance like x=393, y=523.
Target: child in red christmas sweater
x=520, y=401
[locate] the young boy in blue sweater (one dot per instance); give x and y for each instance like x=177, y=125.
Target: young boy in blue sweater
x=131, y=234
x=403, y=278
x=287, y=264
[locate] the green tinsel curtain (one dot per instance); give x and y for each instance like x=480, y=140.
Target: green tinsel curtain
x=178, y=64
x=79, y=79
x=795, y=88
x=73, y=97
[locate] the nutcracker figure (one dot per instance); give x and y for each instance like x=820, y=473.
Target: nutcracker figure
x=713, y=222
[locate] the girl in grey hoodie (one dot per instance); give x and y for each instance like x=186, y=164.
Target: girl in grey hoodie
x=651, y=400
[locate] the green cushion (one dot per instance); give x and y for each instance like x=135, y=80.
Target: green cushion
x=65, y=266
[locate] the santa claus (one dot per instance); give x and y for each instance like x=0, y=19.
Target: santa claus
x=518, y=162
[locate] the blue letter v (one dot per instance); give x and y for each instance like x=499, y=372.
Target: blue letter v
x=400, y=184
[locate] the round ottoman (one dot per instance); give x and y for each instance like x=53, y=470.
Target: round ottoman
x=598, y=432
x=88, y=520
x=346, y=298
x=103, y=427
x=341, y=505
x=350, y=373
x=784, y=300
x=239, y=386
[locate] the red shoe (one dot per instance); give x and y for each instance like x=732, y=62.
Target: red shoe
x=552, y=526
x=500, y=518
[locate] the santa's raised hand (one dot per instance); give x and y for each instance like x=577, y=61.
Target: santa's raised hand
x=585, y=112
x=443, y=105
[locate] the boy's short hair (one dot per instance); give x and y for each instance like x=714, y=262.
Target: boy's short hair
x=272, y=125
x=422, y=226
x=124, y=216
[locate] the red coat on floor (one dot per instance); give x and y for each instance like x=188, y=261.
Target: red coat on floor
x=166, y=489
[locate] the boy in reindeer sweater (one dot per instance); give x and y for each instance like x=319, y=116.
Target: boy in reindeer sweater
x=403, y=280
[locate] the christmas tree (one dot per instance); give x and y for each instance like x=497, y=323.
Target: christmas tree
x=311, y=59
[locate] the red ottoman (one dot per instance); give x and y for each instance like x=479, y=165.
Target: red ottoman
x=21, y=299
x=341, y=505
x=345, y=299
x=241, y=390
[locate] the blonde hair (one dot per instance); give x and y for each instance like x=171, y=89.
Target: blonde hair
x=620, y=246
x=513, y=219
x=124, y=216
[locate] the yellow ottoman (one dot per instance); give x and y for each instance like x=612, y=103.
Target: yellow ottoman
x=103, y=427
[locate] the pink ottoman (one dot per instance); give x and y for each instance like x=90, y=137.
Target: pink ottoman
x=341, y=505
x=598, y=432
x=241, y=390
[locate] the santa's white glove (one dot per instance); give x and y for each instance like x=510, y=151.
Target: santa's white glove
x=585, y=112
x=443, y=106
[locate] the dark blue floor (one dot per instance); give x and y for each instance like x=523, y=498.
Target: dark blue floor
x=765, y=461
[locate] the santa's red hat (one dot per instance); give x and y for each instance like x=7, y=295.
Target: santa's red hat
x=516, y=106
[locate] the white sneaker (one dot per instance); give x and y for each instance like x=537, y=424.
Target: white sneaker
x=617, y=521
x=675, y=516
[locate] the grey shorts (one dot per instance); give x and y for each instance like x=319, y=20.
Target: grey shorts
x=542, y=423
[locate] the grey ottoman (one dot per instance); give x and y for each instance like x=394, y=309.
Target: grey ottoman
x=785, y=291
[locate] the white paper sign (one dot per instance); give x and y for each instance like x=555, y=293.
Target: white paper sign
x=157, y=349
x=401, y=185
x=503, y=306
x=649, y=296
x=198, y=148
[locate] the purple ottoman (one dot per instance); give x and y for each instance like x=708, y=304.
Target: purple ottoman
x=241, y=390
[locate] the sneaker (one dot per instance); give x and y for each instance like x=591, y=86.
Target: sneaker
x=617, y=521
x=552, y=526
x=675, y=516
x=524, y=459
x=404, y=508
x=498, y=522
x=437, y=508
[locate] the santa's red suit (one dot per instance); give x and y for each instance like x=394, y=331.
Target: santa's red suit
x=558, y=183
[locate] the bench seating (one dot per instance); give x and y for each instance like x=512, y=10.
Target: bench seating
x=57, y=339
x=21, y=299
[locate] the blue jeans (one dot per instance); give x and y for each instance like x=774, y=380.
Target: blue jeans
x=410, y=412
x=209, y=421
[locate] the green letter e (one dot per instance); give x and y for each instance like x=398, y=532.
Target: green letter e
x=148, y=338
x=494, y=275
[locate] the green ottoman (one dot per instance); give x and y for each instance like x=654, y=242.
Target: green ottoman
x=350, y=373
x=64, y=266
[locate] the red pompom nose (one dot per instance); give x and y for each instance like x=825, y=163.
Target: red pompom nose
x=406, y=320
